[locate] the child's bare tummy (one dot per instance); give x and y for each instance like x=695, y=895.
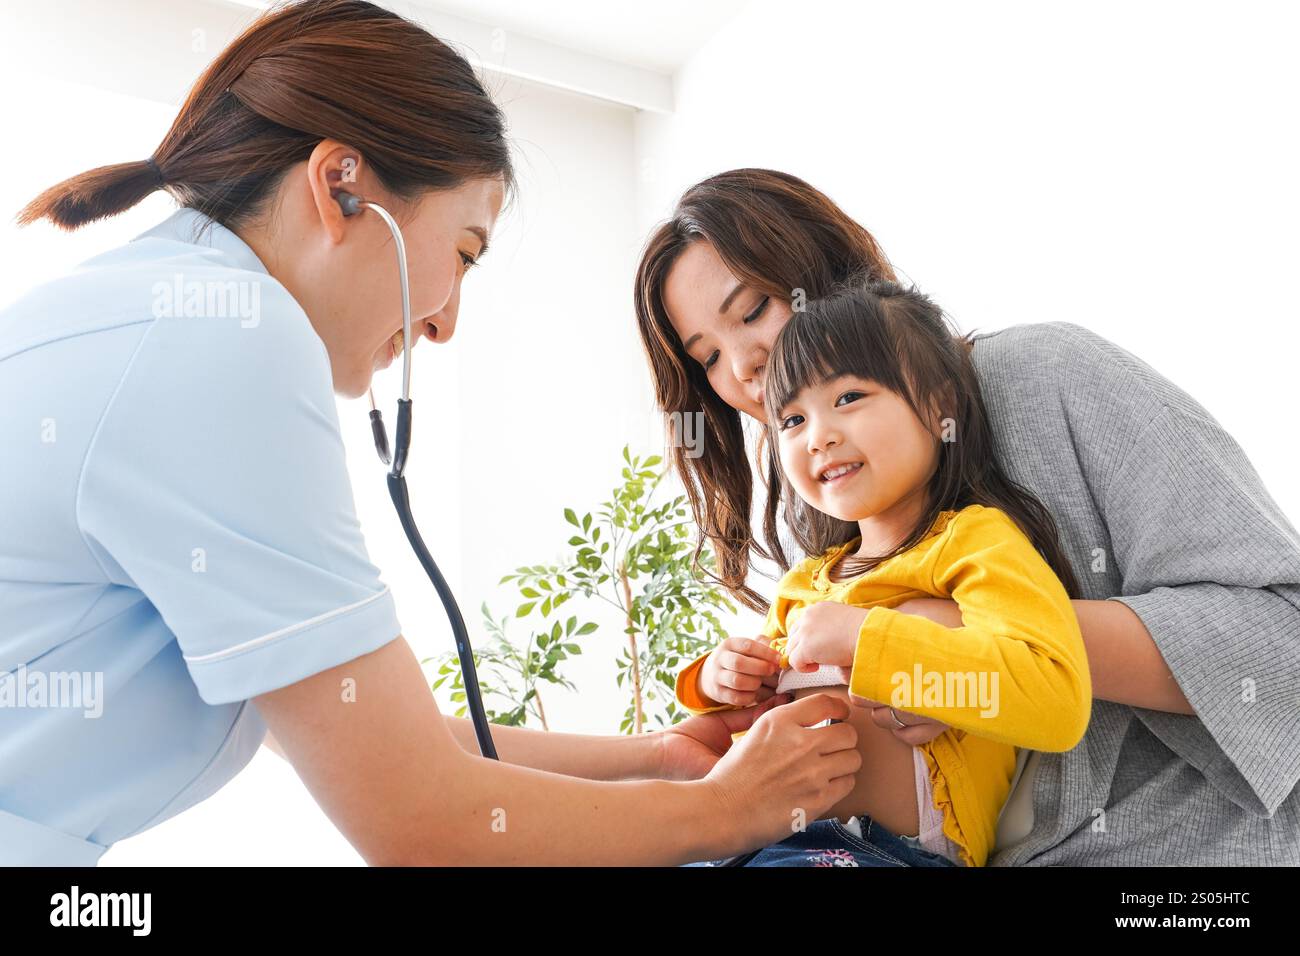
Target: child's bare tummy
x=886, y=783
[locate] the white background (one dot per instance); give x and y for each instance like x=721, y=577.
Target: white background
x=1125, y=166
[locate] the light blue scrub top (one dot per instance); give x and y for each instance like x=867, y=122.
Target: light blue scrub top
x=175, y=517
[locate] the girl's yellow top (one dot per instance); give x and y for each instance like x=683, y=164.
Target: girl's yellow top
x=1015, y=674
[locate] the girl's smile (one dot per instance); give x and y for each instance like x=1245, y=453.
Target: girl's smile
x=828, y=432
x=840, y=474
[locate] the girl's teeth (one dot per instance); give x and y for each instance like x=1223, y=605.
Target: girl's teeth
x=842, y=470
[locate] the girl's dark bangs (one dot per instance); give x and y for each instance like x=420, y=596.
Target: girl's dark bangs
x=841, y=335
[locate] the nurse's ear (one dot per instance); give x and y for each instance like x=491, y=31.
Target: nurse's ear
x=332, y=168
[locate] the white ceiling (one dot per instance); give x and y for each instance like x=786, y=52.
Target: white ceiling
x=621, y=52
x=660, y=35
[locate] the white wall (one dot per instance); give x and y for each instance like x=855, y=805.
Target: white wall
x=1130, y=167
x=526, y=410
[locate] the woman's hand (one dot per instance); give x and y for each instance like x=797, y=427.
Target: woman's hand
x=688, y=750
x=919, y=730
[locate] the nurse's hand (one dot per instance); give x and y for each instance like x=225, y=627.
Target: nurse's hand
x=689, y=750
x=786, y=771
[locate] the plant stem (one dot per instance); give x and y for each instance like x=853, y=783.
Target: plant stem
x=631, y=640
x=541, y=711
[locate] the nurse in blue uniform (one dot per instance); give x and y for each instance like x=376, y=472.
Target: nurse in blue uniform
x=181, y=565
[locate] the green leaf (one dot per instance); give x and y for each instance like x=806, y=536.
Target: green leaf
x=570, y=517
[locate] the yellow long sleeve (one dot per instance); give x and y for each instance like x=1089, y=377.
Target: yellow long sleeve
x=1020, y=643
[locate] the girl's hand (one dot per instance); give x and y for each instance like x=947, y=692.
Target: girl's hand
x=827, y=633
x=824, y=633
x=740, y=671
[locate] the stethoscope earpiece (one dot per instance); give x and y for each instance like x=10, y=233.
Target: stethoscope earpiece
x=351, y=204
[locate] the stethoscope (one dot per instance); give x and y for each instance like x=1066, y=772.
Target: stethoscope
x=351, y=205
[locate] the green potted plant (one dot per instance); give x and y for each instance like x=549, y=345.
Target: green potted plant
x=632, y=554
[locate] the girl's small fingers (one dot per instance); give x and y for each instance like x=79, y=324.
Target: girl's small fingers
x=742, y=664
x=742, y=682
x=802, y=666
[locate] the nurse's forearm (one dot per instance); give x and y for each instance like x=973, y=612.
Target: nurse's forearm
x=384, y=768
x=593, y=756
x=500, y=814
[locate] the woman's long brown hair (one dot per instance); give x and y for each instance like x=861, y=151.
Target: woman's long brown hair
x=303, y=72
x=775, y=233
x=899, y=339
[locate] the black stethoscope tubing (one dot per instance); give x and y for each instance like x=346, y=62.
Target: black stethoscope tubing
x=398, y=491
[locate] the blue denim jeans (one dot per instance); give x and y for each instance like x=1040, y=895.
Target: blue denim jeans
x=830, y=843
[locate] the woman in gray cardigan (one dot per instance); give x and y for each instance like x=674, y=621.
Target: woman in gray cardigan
x=1190, y=572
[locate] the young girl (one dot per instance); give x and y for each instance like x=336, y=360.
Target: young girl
x=877, y=432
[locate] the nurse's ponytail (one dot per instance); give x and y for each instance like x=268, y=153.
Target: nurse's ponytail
x=339, y=69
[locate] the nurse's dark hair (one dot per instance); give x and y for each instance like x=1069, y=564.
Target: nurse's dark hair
x=411, y=106
x=775, y=233
x=895, y=338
